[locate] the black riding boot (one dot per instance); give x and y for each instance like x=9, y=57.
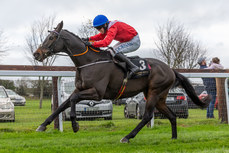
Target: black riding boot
x=122, y=58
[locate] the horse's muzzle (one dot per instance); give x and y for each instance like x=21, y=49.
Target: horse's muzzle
x=38, y=57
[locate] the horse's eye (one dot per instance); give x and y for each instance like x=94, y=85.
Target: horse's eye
x=51, y=38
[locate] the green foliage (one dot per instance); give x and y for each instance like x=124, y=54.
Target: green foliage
x=7, y=84
x=195, y=134
x=47, y=88
x=21, y=90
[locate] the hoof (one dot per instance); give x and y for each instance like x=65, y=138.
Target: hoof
x=41, y=128
x=124, y=140
x=75, y=126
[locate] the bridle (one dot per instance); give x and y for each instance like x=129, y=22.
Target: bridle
x=53, y=44
x=51, y=52
x=51, y=47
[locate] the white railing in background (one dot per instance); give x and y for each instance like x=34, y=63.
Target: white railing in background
x=65, y=72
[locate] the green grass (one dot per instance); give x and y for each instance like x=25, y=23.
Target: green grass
x=195, y=134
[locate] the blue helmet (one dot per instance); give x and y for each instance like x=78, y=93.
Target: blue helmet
x=100, y=20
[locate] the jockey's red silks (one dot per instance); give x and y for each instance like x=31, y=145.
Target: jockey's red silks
x=117, y=30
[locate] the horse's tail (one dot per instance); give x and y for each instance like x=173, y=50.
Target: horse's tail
x=184, y=82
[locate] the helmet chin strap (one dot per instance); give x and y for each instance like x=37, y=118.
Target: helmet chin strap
x=105, y=26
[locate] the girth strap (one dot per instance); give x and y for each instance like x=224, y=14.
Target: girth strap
x=122, y=89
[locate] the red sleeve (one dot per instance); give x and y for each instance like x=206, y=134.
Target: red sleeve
x=97, y=37
x=111, y=33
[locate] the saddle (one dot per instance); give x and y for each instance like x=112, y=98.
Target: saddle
x=140, y=62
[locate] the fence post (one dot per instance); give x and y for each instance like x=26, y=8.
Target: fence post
x=152, y=122
x=222, y=101
x=59, y=103
x=55, y=100
x=226, y=94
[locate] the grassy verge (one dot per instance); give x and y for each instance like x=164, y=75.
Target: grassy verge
x=195, y=134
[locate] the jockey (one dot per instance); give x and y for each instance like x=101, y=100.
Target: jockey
x=127, y=36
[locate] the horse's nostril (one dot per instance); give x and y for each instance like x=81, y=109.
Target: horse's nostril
x=36, y=55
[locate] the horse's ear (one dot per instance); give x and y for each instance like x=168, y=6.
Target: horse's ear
x=59, y=26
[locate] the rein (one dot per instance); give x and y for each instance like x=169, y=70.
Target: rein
x=94, y=63
x=86, y=51
x=80, y=54
x=59, y=36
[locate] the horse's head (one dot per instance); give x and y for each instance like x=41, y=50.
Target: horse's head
x=51, y=45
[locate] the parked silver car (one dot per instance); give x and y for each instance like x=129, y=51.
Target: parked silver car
x=15, y=98
x=90, y=109
x=6, y=106
x=86, y=109
x=176, y=101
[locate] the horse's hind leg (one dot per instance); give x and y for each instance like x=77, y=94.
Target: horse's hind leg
x=170, y=115
x=151, y=102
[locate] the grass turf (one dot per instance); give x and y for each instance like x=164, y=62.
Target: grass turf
x=195, y=134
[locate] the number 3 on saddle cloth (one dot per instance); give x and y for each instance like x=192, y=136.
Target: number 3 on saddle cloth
x=140, y=62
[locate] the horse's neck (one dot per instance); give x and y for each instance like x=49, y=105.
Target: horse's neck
x=79, y=53
x=89, y=57
x=74, y=46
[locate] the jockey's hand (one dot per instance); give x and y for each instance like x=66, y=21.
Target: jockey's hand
x=88, y=43
x=85, y=39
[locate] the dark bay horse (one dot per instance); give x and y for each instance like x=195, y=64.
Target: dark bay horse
x=97, y=78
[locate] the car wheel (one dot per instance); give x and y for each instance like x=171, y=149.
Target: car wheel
x=185, y=115
x=126, y=112
x=14, y=118
x=138, y=113
x=108, y=118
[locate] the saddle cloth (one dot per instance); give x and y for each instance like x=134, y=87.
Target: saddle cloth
x=141, y=63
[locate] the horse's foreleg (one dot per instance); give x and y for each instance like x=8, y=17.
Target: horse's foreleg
x=61, y=108
x=89, y=94
x=151, y=101
x=74, y=99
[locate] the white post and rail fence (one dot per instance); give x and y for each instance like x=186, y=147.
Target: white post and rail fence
x=57, y=72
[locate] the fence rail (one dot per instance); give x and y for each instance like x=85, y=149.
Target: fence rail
x=57, y=72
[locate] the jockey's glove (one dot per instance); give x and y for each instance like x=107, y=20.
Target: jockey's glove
x=85, y=39
x=88, y=43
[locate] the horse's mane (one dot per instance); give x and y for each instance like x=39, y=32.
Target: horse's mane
x=73, y=34
x=81, y=39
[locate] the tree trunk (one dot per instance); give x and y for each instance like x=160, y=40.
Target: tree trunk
x=221, y=97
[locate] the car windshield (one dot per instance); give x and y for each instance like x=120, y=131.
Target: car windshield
x=176, y=90
x=3, y=93
x=10, y=92
x=140, y=96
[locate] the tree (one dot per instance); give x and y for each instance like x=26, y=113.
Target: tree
x=86, y=29
x=47, y=88
x=38, y=33
x=176, y=48
x=22, y=86
x=8, y=84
